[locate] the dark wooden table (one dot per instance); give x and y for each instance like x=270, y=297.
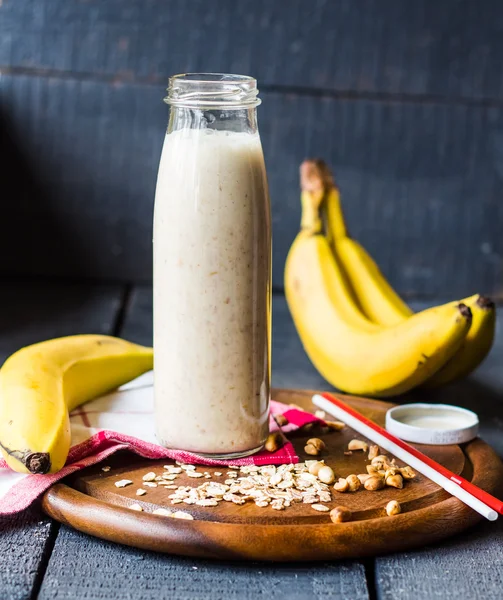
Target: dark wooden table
x=40, y=559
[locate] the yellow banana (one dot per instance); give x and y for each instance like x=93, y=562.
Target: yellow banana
x=381, y=304
x=351, y=353
x=42, y=383
x=378, y=300
x=476, y=345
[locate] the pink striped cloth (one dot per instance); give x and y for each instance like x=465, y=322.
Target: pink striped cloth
x=124, y=420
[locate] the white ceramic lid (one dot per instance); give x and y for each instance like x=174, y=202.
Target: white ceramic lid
x=439, y=424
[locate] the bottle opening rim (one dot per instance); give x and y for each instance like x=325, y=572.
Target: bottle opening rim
x=212, y=90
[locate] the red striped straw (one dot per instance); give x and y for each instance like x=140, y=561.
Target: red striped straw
x=470, y=494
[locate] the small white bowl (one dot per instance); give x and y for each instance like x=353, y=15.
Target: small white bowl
x=438, y=424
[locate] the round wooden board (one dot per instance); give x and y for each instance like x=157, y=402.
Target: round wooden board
x=91, y=503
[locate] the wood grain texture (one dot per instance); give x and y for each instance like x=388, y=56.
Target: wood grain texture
x=31, y=312
x=420, y=183
x=104, y=570
x=25, y=544
x=468, y=566
x=449, y=49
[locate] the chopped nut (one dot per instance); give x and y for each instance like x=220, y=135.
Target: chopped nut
x=320, y=507
x=274, y=442
x=123, y=483
x=281, y=420
x=311, y=450
x=374, y=483
x=335, y=425
x=393, y=508
x=363, y=477
x=151, y=484
x=358, y=445
x=407, y=473
x=395, y=481
x=340, y=514
x=162, y=511
x=315, y=466
x=149, y=476
x=136, y=507
x=353, y=483
x=373, y=452
x=321, y=414
x=341, y=486
x=380, y=462
x=317, y=443
x=389, y=472
x=326, y=475
x=140, y=492
x=106, y=468
x=371, y=470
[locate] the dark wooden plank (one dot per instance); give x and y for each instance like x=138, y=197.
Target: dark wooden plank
x=420, y=182
x=451, y=48
x=468, y=566
x=104, y=570
x=31, y=312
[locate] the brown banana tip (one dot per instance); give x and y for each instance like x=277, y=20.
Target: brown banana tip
x=38, y=463
x=485, y=303
x=315, y=176
x=465, y=311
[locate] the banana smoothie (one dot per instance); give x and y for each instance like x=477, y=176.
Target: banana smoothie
x=212, y=270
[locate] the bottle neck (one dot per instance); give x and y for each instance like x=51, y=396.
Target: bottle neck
x=242, y=120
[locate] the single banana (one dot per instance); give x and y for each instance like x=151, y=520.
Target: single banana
x=42, y=383
x=352, y=354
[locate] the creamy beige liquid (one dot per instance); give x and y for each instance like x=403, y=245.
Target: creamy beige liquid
x=212, y=269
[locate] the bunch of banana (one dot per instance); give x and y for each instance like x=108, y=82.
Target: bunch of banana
x=356, y=330
x=42, y=383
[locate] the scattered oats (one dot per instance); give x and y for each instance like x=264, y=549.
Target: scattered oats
x=182, y=515
x=320, y=507
x=158, y=478
x=193, y=474
x=189, y=501
x=217, y=474
x=123, y=483
x=321, y=414
x=278, y=504
x=149, y=484
x=235, y=467
x=106, y=468
x=325, y=496
x=162, y=511
x=140, y=492
x=261, y=503
x=170, y=477
x=309, y=499
x=149, y=476
x=176, y=501
x=232, y=474
x=229, y=481
x=188, y=467
x=136, y=507
x=207, y=476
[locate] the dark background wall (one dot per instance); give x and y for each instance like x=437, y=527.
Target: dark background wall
x=403, y=99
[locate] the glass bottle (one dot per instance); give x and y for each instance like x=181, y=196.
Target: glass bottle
x=212, y=270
